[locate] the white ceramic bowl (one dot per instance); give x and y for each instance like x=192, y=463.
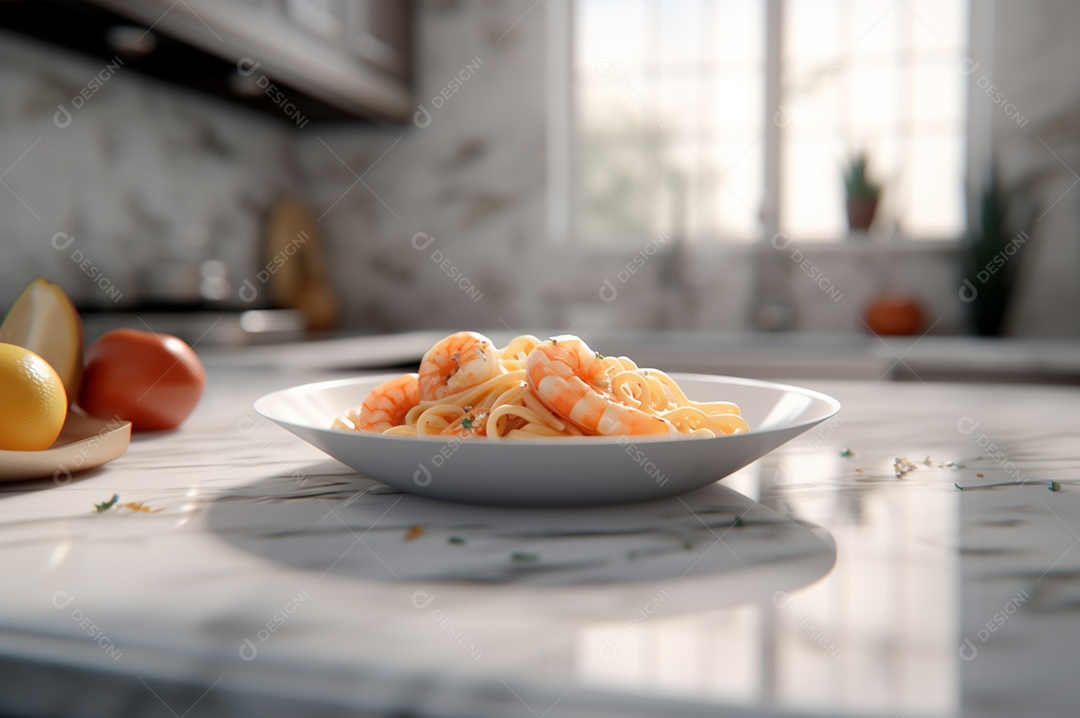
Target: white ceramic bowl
x=557, y=472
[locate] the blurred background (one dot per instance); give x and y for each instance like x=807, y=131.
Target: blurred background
x=804, y=173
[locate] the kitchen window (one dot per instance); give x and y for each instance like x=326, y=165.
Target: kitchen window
x=722, y=120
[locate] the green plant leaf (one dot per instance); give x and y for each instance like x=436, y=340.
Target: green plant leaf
x=106, y=505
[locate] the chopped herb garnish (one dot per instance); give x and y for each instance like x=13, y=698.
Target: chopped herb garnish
x=140, y=506
x=1054, y=486
x=846, y=452
x=466, y=423
x=524, y=557
x=738, y=521
x=456, y=540
x=106, y=505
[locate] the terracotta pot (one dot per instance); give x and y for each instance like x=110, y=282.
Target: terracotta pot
x=860, y=212
x=894, y=313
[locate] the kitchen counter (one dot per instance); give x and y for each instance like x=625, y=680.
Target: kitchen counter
x=792, y=355
x=266, y=579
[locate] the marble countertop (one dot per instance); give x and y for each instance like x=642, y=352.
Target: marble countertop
x=266, y=579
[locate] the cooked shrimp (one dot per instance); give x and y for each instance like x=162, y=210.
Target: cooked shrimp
x=570, y=379
x=458, y=362
x=387, y=404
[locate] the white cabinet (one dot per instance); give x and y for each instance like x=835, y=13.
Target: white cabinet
x=301, y=59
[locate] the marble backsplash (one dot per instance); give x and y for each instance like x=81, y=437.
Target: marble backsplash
x=441, y=222
x=110, y=178
x=447, y=226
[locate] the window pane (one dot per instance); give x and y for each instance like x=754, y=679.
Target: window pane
x=733, y=32
x=679, y=100
x=677, y=27
x=670, y=117
x=875, y=99
x=813, y=30
x=936, y=85
x=814, y=93
x=613, y=180
x=939, y=25
x=733, y=190
x=615, y=29
x=733, y=103
x=876, y=27
x=880, y=77
x=932, y=195
x=809, y=162
x=669, y=124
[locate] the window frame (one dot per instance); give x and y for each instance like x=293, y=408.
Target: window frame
x=561, y=135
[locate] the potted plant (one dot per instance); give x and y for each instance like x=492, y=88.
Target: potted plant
x=992, y=253
x=862, y=193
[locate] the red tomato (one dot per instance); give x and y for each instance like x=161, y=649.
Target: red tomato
x=152, y=380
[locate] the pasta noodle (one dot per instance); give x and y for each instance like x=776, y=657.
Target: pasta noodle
x=535, y=389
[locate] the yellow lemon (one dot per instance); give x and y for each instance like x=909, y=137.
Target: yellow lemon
x=33, y=402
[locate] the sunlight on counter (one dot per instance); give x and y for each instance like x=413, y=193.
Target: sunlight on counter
x=810, y=648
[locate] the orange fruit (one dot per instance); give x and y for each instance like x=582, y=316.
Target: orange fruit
x=33, y=403
x=44, y=320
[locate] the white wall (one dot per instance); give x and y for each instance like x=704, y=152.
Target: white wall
x=1033, y=65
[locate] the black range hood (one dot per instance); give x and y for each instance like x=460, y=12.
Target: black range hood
x=297, y=60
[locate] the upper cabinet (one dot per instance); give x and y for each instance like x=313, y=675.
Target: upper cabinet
x=300, y=60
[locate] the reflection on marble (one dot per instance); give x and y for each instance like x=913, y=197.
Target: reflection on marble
x=310, y=523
